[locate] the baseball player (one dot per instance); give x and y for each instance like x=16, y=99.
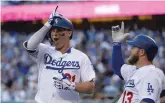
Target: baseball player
x=143, y=81
x=64, y=71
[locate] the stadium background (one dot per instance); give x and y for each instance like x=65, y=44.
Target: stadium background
x=92, y=35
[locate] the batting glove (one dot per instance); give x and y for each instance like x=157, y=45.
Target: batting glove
x=64, y=84
x=118, y=33
x=52, y=18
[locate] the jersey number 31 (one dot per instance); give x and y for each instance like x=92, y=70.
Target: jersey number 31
x=72, y=78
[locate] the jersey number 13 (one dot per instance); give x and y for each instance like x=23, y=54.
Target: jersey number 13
x=127, y=98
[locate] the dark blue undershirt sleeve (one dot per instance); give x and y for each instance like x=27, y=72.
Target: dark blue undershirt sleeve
x=148, y=100
x=117, y=59
x=162, y=93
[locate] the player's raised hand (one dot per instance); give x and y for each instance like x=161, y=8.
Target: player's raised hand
x=118, y=33
x=54, y=15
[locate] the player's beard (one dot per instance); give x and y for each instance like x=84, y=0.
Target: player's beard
x=133, y=59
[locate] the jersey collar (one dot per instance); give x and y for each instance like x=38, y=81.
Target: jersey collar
x=69, y=50
x=146, y=66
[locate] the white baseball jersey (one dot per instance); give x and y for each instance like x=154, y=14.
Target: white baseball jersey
x=74, y=64
x=145, y=82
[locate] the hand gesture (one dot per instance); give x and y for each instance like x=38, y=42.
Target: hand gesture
x=54, y=15
x=64, y=84
x=118, y=33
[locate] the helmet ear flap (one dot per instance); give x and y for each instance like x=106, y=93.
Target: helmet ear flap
x=71, y=36
x=48, y=36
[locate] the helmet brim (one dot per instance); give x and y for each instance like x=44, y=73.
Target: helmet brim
x=60, y=27
x=133, y=44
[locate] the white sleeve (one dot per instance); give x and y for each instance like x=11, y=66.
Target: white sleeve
x=127, y=70
x=87, y=70
x=149, y=87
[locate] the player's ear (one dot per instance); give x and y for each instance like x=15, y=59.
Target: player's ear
x=69, y=34
x=142, y=52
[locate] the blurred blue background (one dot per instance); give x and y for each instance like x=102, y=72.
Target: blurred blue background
x=92, y=36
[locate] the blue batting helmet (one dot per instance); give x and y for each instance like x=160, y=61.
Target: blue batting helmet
x=60, y=22
x=146, y=43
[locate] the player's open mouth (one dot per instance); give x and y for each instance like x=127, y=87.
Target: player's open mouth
x=55, y=40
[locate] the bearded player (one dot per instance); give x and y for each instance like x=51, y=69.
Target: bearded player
x=143, y=81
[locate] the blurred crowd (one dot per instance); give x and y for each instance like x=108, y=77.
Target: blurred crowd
x=19, y=72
